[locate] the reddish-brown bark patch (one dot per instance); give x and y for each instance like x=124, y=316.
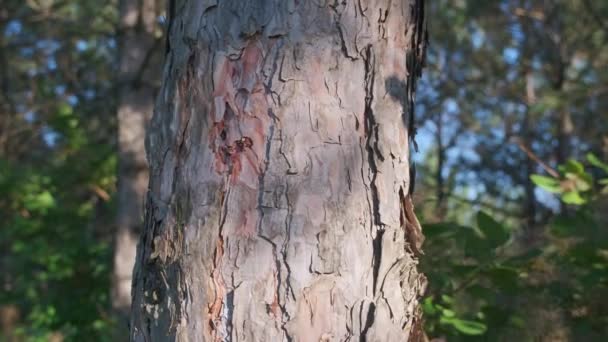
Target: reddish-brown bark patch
x=241, y=119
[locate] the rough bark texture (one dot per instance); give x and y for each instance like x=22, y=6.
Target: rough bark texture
x=279, y=204
x=139, y=49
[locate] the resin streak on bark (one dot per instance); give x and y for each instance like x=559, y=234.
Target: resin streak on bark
x=279, y=204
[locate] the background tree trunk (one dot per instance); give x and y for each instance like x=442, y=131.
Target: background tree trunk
x=279, y=204
x=140, y=52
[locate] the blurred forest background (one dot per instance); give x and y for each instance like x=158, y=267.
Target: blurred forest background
x=512, y=166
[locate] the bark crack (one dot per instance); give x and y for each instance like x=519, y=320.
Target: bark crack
x=371, y=132
x=288, y=220
x=290, y=169
x=276, y=304
x=415, y=61
x=215, y=308
x=369, y=321
x=377, y=257
x=341, y=34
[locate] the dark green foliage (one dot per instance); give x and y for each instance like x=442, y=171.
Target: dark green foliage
x=56, y=259
x=485, y=283
x=57, y=167
x=514, y=141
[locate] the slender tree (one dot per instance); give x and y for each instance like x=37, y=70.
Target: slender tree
x=279, y=204
x=140, y=50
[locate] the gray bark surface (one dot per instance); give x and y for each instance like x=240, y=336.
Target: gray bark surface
x=279, y=204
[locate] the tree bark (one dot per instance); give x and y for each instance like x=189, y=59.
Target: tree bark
x=279, y=205
x=138, y=84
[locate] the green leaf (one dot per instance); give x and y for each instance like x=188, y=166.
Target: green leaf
x=518, y=321
x=447, y=299
x=436, y=229
x=40, y=201
x=469, y=327
x=481, y=292
x=572, y=166
x=549, y=184
x=64, y=110
x=494, y=232
x=595, y=161
x=504, y=278
x=573, y=197
x=476, y=246
x=448, y=313
x=428, y=307
x=466, y=327
x=570, y=226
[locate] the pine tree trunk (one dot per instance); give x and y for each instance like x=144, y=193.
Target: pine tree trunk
x=279, y=204
x=139, y=49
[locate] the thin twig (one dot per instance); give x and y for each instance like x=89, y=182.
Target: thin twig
x=534, y=157
x=100, y=192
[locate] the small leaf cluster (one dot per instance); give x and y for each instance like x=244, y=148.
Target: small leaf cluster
x=575, y=185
